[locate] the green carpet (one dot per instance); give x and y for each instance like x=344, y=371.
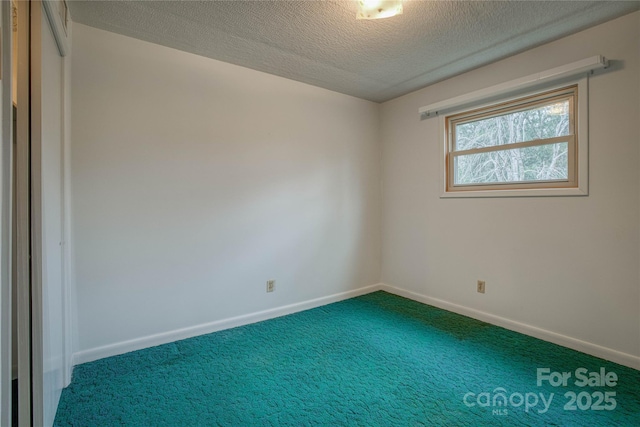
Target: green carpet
x=375, y=360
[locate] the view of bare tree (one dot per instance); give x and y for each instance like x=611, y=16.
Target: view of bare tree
x=535, y=163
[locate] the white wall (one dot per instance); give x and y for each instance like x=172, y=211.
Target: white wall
x=567, y=265
x=69, y=303
x=195, y=181
x=53, y=289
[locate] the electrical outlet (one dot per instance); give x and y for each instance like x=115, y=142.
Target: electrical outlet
x=271, y=285
x=481, y=286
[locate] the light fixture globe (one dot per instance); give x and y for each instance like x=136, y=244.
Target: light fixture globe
x=378, y=9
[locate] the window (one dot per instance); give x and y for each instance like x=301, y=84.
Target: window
x=522, y=147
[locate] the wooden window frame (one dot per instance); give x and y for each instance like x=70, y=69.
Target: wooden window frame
x=576, y=184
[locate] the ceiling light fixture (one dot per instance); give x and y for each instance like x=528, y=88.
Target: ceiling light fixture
x=377, y=9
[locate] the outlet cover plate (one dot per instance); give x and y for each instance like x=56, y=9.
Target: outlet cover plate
x=481, y=286
x=271, y=285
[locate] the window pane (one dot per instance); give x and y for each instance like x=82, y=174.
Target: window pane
x=542, y=122
x=538, y=163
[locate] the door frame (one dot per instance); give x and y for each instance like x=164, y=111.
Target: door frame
x=23, y=216
x=29, y=215
x=6, y=191
x=35, y=108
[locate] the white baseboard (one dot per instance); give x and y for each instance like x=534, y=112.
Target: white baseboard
x=563, y=340
x=179, y=334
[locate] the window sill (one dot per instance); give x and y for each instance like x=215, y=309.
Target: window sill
x=533, y=192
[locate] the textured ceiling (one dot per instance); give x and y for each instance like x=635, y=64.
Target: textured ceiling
x=321, y=42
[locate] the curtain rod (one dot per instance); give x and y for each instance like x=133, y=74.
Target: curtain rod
x=574, y=68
